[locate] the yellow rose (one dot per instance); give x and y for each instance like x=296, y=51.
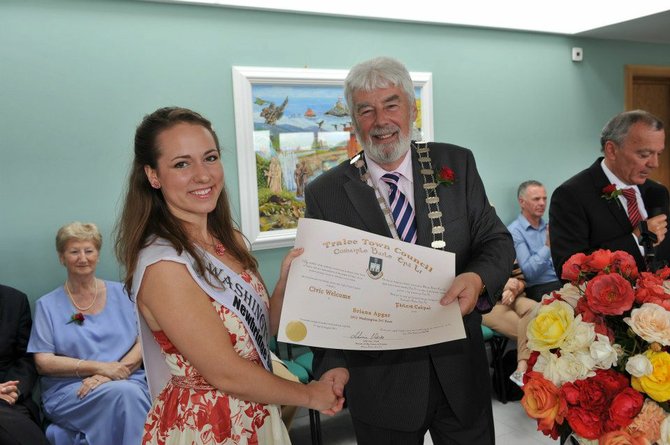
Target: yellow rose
x=551, y=326
x=657, y=384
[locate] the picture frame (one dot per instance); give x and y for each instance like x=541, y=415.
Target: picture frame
x=292, y=124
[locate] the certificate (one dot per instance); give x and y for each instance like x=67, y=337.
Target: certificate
x=355, y=290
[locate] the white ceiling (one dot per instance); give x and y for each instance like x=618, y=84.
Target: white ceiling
x=643, y=21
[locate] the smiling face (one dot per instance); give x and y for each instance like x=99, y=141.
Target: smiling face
x=383, y=119
x=80, y=257
x=638, y=154
x=188, y=171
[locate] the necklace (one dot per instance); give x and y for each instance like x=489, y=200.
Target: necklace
x=218, y=247
x=429, y=186
x=95, y=297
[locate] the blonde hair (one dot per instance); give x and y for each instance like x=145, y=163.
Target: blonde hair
x=78, y=231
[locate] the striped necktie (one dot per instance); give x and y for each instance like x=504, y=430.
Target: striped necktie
x=403, y=213
x=631, y=203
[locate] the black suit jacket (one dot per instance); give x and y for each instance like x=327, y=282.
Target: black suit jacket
x=15, y=362
x=581, y=220
x=390, y=388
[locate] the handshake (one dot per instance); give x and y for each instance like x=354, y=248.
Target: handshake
x=327, y=393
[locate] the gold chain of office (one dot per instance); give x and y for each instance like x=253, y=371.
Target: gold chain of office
x=429, y=187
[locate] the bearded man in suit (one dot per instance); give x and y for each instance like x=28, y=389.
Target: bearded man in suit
x=391, y=189
x=591, y=211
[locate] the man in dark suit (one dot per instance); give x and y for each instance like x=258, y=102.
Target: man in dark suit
x=587, y=213
x=395, y=396
x=19, y=415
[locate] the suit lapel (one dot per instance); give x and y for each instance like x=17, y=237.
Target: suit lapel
x=614, y=205
x=364, y=200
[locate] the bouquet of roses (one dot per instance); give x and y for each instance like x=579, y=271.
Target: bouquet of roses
x=600, y=367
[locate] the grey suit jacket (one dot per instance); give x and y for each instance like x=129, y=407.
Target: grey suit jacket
x=390, y=388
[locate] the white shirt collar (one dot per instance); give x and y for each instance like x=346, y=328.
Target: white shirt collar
x=616, y=181
x=405, y=184
x=405, y=169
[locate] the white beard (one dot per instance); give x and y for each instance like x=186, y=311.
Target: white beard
x=386, y=153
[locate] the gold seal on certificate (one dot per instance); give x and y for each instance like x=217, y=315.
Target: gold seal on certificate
x=296, y=331
x=355, y=290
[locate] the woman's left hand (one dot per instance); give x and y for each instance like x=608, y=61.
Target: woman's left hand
x=90, y=383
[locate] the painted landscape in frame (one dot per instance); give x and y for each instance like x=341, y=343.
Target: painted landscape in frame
x=292, y=126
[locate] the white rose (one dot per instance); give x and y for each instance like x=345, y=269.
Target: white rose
x=603, y=352
x=651, y=322
x=583, y=335
x=570, y=366
x=665, y=432
x=639, y=366
x=571, y=293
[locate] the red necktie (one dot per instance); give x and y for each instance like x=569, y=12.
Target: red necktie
x=633, y=210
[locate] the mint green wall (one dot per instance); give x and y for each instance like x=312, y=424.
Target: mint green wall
x=77, y=76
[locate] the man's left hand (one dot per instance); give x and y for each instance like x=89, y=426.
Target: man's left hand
x=466, y=289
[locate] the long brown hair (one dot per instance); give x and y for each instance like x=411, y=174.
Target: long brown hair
x=145, y=213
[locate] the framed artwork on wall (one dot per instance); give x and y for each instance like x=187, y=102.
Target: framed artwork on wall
x=293, y=124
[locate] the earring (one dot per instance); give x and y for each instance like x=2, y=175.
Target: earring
x=155, y=184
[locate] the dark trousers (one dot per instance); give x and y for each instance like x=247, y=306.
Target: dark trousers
x=17, y=426
x=536, y=292
x=444, y=426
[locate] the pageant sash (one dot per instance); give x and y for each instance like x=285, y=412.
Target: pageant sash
x=226, y=287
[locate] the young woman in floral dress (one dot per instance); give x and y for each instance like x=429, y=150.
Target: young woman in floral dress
x=201, y=300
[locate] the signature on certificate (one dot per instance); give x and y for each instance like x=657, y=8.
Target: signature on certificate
x=373, y=335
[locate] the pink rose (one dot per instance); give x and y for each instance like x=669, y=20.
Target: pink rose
x=623, y=438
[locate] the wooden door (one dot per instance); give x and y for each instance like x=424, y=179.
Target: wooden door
x=648, y=88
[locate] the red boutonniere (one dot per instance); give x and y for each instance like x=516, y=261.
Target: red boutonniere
x=76, y=318
x=446, y=176
x=611, y=192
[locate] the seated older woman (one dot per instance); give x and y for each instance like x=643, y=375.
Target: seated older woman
x=85, y=342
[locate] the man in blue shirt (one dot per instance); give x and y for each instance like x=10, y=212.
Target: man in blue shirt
x=531, y=241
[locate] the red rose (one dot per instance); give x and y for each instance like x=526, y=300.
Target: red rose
x=649, y=288
x=610, y=192
x=625, y=264
x=625, y=406
x=609, y=189
x=613, y=381
x=587, y=393
x=663, y=273
x=573, y=267
x=447, y=174
x=76, y=318
x=584, y=422
x=599, y=260
x=598, y=320
x=609, y=294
